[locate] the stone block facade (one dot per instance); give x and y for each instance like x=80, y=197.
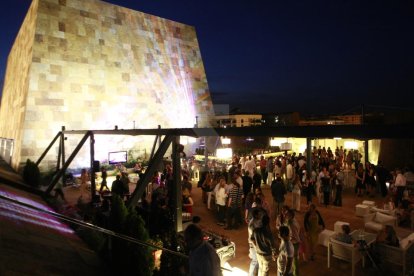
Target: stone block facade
x=87, y=64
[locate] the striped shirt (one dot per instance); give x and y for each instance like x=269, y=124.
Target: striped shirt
x=235, y=196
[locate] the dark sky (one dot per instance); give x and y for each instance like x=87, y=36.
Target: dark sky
x=279, y=56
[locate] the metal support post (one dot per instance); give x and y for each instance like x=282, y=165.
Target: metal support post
x=92, y=153
x=309, y=155
x=177, y=197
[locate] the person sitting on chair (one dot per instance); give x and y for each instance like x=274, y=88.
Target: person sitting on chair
x=388, y=236
x=345, y=236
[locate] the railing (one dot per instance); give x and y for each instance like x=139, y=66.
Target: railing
x=97, y=228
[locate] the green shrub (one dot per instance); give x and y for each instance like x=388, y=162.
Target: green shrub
x=94, y=239
x=118, y=214
x=31, y=173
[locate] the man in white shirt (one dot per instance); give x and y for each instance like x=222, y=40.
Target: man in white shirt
x=250, y=166
x=289, y=175
x=221, y=198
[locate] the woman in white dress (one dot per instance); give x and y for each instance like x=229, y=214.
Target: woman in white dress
x=296, y=194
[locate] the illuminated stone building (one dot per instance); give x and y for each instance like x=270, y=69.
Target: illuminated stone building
x=87, y=64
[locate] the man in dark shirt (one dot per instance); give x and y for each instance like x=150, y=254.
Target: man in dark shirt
x=186, y=184
x=264, y=244
x=257, y=180
x=278, y=194
x=203, y=259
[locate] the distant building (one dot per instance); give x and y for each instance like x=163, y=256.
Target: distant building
x=281, y=119
x=238, y=120
x=353, y=119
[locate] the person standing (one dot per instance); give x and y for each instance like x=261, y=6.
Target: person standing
x=265, y=246
x=289, y=176
x=278, y=193
x=400, y=183
x=253, y=223
x=360, y=180
x=221, y=197
x=203, y=258
x=269, y=170
x=263, y=166
x=382, y=176
x=294, y=230
x=296, y=194
x=325, y=185
x=207, y=188
x=257, y=180
x=84, y=178
x=234, y=206
x=339, y=183
x=313, y=223
x=247, y=184
x=309, y=187
x=286, y=253
x=117, y=186
x=250, y=166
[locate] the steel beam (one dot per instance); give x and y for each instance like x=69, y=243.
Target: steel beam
x=361, y=132
x=149, y=172
x=47, y=149
x=61, y=172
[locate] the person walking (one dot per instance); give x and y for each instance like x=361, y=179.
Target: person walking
x=104, y=175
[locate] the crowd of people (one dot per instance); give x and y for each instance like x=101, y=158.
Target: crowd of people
x=236, y=191
x=234, y=194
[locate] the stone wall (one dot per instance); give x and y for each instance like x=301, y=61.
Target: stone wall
x=16, y=85
x=96, y=65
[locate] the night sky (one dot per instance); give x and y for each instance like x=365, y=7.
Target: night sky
x=280, y=56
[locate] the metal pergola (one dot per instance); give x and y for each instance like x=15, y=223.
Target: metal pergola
x=172, y=137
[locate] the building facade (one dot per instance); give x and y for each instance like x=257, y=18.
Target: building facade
x=87, y=64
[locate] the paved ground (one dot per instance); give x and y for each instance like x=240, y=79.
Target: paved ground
x=29, y=248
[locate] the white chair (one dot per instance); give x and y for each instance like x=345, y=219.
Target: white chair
x=376, y=221
x=400, y=256
x=361, y=210
x=385, y=211
x=369, y=203
x=338, y=226
x=344, y=251
x=324, y=236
